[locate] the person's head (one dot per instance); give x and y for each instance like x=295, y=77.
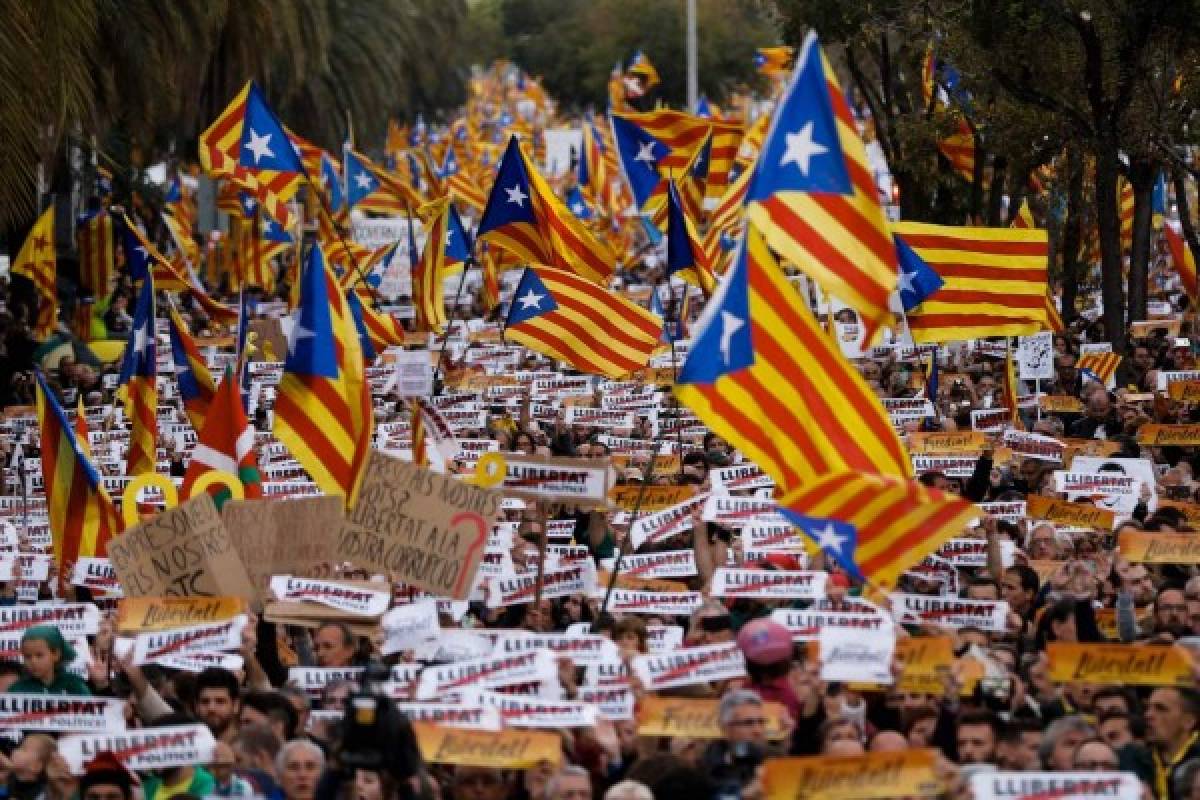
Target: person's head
x=334, y=645
x=1018, y=748
x=570, y=783
x=629, y=634
x=1020, y=587
x=1099, y=404
x=1140, y=583
x=934, y=479
x=222, y=764
x=1058, y=623
x=105, y=778
x=1060, y=740
x=256, y=747
x=1172, y=715
x=30, y=757
x=269, y=708
x=478, y=783
x=1170, y=613
x=1111, y=700
x=1043, y=545
x=216, y=703
x=841, y=736
x=742, y=716
x=983, y=588
x=888, y=742
x=1095, y=755
x=45, y=652
x=298, y=768
x=712, y=624
x=1116, y=729
x=977, y=736
x=370, y=784
x=629, y=790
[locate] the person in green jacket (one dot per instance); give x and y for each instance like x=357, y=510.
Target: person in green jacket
x=45, y=654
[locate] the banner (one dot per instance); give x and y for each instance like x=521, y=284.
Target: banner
x=740, y=478
x=141, y=614
x=96, y=574
x=654, y=498
x=72, y=619
x=533, y=712
x=452, y=715
x=855, y=655
x=1096, y=482
x=960, y=443
x=1120, y=664
x=690, y=666
x=487, y=673
x=569, y=480
x=950, y=612
x=926, y=662
x=950, y=466
x=1163, y=435
x=614, y=703
x=405, y=627
x=510, y=748
x=696, y=717
x=349, y=599
x=666, y=523
x=583, y=649
x=805, y=624
x=738, y=512
x=768, y=584
x=149, y=647
x=1160, y=548
x=672, y=604
x=1080, y=515
x=61, y=713
x=422, y=528
x=142, y=749
x=665, y=564
x=1033, y=445
x=872, y=776
x=1056, y=785
x=522, y=588
x=183, y=552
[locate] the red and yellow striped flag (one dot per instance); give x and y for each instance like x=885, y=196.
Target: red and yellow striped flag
x=1102, y=365
x=1185, y=265
x=97, y=253
x=814, y=198
x=37, y=261
x=883, y=524
x=427, y=274
x=82, y=515
x=1010, y=390
x=1125, y=201
x=561, y=315
x=763, y=375
x=994, y=281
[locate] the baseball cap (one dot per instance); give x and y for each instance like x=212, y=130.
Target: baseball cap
x=765, y=642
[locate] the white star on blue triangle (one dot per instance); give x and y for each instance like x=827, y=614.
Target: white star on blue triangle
x=837, y=538
x=803, y=151
x=264, y=143
x=140, y=352
x=311, y=348
x=917, y=280
x=723, y=342
x=531, y=299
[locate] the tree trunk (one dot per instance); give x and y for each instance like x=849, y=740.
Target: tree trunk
x=995, y=203
x=1141, y=178
x=1108, y=224
x=975, y=214
x=1072, y=236
x=1179, y=178
x=1016, y=194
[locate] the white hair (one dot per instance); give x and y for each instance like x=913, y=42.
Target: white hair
x=629, y=790
x=569, y=769
x=285, y=753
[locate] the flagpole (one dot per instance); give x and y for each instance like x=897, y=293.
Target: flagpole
x=673, y=315
x=462, y=279
x=647, y=474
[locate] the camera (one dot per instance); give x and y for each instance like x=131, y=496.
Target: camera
x=995, y=694
x=375, y=735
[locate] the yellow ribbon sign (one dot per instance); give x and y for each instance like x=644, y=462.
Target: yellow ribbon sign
x=1120, y=664
x=227, y=479
x=129, y=506
x=511, y=748
x=1160, y=548
x=908, y=773
x=1163, y=435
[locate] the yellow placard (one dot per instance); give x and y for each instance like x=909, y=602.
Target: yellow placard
x=1120, y=664
x=1184, y=391
x=659, y=376
x=1160, y=548
x=1106, y=620
x=1162, y=435
x=655, y=498
x=963, y=442
x=696, y=717
x=907, y=773
x=129, y=506
x=1191, y=511
x=664, y=464
x=511, y=748
x=1093, y=447
x=489, y=336
x=1060, y=404
x=1079, y=515
x=927, y=660
x=1143, y=328
x=139, y=614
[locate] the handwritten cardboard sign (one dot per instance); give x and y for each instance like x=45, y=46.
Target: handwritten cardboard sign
x=183, y=552
x=277, y=537
x=511, y=748
x=425, y=529
x=1163, y=435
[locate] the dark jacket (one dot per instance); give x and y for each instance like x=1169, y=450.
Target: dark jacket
x=1139, y=759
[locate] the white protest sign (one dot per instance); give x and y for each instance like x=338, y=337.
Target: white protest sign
x=806, y=624
x=489, y=672
x=141, y=749
x=405, y=627
x=857, y=655
x=453, y=715
x=149, y=647
x=950, y=612
x=768, y=584
x=1056, y=785
x=414, y=373
x=635, y=601
x=737, y=478
x=1035, y=357
x=522, y=712
x=666, y=523
x=689, y=666
x=72, y=619
x=349, y=599
x=61, y=713
x=666, y=564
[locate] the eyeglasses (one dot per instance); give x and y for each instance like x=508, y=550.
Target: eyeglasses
x=750, y=722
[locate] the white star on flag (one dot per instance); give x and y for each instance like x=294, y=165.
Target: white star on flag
x=260, y=145
x=829, y=539
x=645, y=152
x=515, y=195
x=905, y=279
x=730, y=324
x=363, y=180
x=801, y=148
x=531, y=300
